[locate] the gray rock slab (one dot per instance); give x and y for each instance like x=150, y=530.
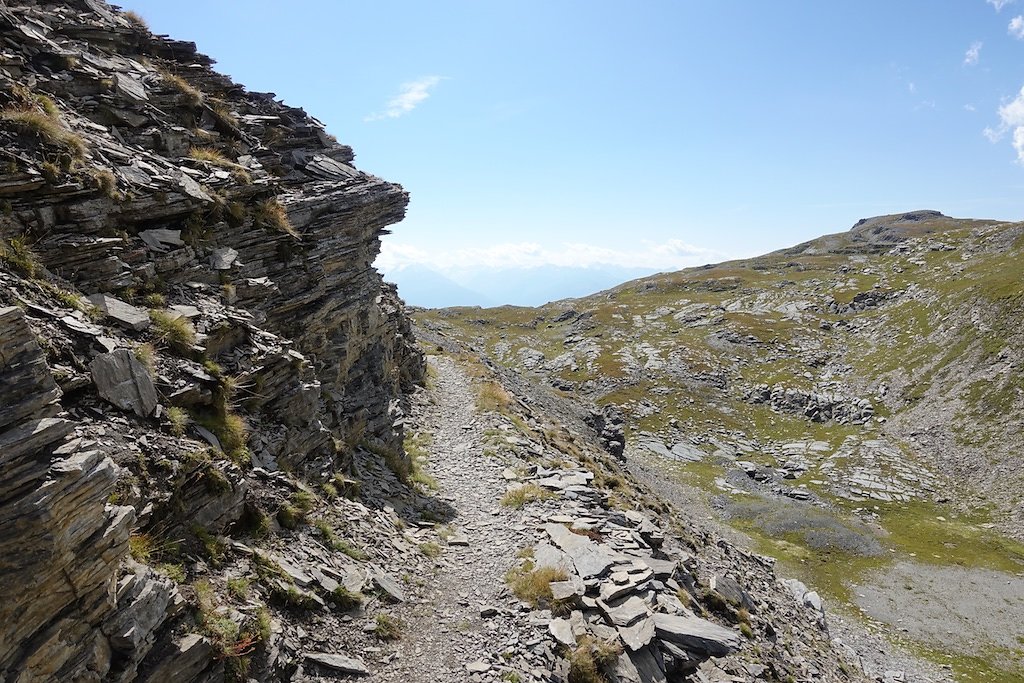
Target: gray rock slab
x=638, y=635
x=221, y=259
x=388, y=586
x=161, y=239
x=697, y=635
x=561, y=629
x=340, y=663
x=125, y=382
x=121, y=312
x=626, y=612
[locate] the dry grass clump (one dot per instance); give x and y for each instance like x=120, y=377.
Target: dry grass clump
x=215, y=157
x=42, y=122
x=388, y=627
x=176, y=332
x=492, y=396
x=18, y=256
x=271, y=214
x=192, y=95
x=136, y=21
x=178, y=420
x=106, y=182
x=533, y=585
x=527, y=493
x=591, y=658
x=146, y=354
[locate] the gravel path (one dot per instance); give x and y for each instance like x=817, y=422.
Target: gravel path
x=445, y=631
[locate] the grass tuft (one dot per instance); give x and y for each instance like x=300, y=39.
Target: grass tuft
x=18, y=255
x=591, y=658
x=271, y=214
x=388, y=627
x=192, y=96
x=176, y=332
x=215, y=157
x=47, y=128
x=527, y=493
x=533, y=585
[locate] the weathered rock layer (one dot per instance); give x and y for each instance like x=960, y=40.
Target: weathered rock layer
x=176, y=255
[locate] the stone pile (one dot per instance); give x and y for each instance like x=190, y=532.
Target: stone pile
x=817, y=406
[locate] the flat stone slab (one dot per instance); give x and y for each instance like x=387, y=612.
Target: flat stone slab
x=125, y=382
x=697, y=635
x=638, y=635
x=625, y=613
x=340, y=663
x=121, y=312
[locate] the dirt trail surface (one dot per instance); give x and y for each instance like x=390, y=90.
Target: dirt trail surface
x=446, y=637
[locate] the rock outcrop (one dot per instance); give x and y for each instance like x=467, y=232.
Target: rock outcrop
x=188, y=314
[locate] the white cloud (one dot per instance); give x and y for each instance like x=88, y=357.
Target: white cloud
x=1016, y=27
x=973, y=53
x=1011, y=120
x=1000, y=4
x=912, y=87
x=670, y=255
x=409, y=96
x=970, y=107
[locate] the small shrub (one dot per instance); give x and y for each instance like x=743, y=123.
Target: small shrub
x=192, y=96
x=347, y=548
x=533, y=585
x=492, y=396
x=329, y=491
x=271, y=214
x=155, y=300
x=388, y=627
x=175, y=572
x=136, y=21
x=590, y=658
x=527, y=493
x=178, y=420
x=213, y=547
x=175, y=331
x=289, y=516
x=146, y=354
x=239, y=587
x=345, y=599
x=430, y=549
x=106, y=182
x=141, y=547
x=18, y=256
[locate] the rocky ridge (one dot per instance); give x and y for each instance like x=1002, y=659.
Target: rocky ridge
x=193, y=339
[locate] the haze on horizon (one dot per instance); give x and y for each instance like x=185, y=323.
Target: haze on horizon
x=609, y=140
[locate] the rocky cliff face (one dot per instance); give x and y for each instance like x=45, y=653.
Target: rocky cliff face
x=187, y=304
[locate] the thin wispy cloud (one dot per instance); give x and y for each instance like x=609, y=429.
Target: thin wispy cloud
x=973, y=54
x=1011, y=120
x=970, y=107
x=1000, y=4
x=410, y=95
x=670, y=255
x=1016, y=27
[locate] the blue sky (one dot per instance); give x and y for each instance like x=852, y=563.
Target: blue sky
x=656, y=134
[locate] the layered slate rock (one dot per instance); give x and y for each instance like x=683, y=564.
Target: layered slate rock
x=228, y=240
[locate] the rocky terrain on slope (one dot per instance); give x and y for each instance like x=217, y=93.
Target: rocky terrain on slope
x=853, y=404
x=218, y=460
x=193, y=346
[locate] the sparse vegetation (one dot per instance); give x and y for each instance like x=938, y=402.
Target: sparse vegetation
x=271, y=214
x=18, y=255
x=345, y=599
x=430, y=549
x=215, y=157
x=591, y=658
x=526, y=493
x=533, y=584
x=388, y=627
x=174, y=330
x=146, y=354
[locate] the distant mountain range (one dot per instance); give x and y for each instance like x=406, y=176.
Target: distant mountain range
x=424, y=286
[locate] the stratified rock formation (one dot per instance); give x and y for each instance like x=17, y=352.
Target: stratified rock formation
x=187, y=307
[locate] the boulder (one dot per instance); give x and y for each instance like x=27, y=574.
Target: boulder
x=125, y=382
